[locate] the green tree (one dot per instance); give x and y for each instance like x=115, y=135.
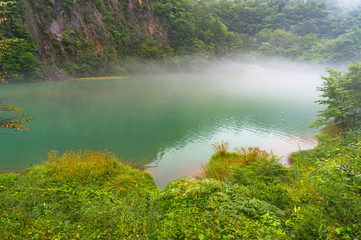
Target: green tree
x=192, y=28
x=10, y=116
x=338, y=99
x=20, y=58
x=354, y=84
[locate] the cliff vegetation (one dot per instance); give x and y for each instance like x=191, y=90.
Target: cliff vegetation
x=77, y=38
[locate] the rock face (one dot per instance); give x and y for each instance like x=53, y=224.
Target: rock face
x=62, y=29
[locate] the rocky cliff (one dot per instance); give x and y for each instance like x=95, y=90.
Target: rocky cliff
x=73, y=35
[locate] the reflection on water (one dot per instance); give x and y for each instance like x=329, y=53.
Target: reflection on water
x=166, y=121
x=176, y=163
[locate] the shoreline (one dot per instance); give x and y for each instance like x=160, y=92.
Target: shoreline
x=102, y=78
x=284, y=149
x=304, y=143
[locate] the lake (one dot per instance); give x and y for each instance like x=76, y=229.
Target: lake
x=168, y=121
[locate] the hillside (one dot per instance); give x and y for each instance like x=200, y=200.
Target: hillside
x=104, y=37
x=84, y=38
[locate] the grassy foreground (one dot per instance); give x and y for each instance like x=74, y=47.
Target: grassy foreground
x=246, y=194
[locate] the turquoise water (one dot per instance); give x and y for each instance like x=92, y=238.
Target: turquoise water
x=167, y=121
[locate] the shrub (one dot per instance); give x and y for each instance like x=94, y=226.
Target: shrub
x=266, y=180
x=8, y=179
x=208, y=208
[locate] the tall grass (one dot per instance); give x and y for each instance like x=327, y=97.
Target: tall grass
x=221, y=147
x=222, y=163
x=82, y=166
x=90, y=167
x=252, y=154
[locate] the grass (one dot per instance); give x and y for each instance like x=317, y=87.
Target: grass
x=244, y=194
x=74, y=196
x=82, y=166
x=222, y=163
x=221, y=147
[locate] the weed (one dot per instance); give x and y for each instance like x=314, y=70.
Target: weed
x=221, y=147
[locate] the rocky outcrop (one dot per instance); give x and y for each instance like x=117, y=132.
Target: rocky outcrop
x=63, y=28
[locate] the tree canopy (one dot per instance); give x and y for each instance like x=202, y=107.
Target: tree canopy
x=341, y=94
x=10, y=116
x=322, y=31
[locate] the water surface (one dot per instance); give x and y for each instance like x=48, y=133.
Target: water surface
x=167, y=121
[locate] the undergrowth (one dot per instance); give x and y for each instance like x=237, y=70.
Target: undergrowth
x=245, y=194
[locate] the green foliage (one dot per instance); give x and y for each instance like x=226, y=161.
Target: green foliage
x=341, y=95
x=10, y=116
x=77, y=195
x=319, y=195
x=68, y=4
x=316, y=31
x=330, y=189
x=93, y=195
x=20, y=58
x=208, y=208
x=148, y=49
x=88, y=167
x=266, y=180
x=21, y=61
x=8, y=179
x=303, y=30
x=192, y=28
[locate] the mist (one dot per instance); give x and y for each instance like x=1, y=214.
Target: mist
x=348, y=3
x=169, y=115
x=225, y=65
x=269, y=77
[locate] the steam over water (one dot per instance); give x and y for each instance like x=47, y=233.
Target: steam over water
x=168, y=121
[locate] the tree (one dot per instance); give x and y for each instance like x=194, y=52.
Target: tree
x=10, y=116
x=339, y=101
x=354, y=84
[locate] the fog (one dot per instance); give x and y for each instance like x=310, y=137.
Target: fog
x=348, y=3
x=266, y=103
x=342, y=3
x=214, y=66
x=170, y=118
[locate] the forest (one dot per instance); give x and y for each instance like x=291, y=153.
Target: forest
x=317, y=31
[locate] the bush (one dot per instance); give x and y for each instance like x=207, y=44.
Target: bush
x=77, y=195
x=209, y=208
